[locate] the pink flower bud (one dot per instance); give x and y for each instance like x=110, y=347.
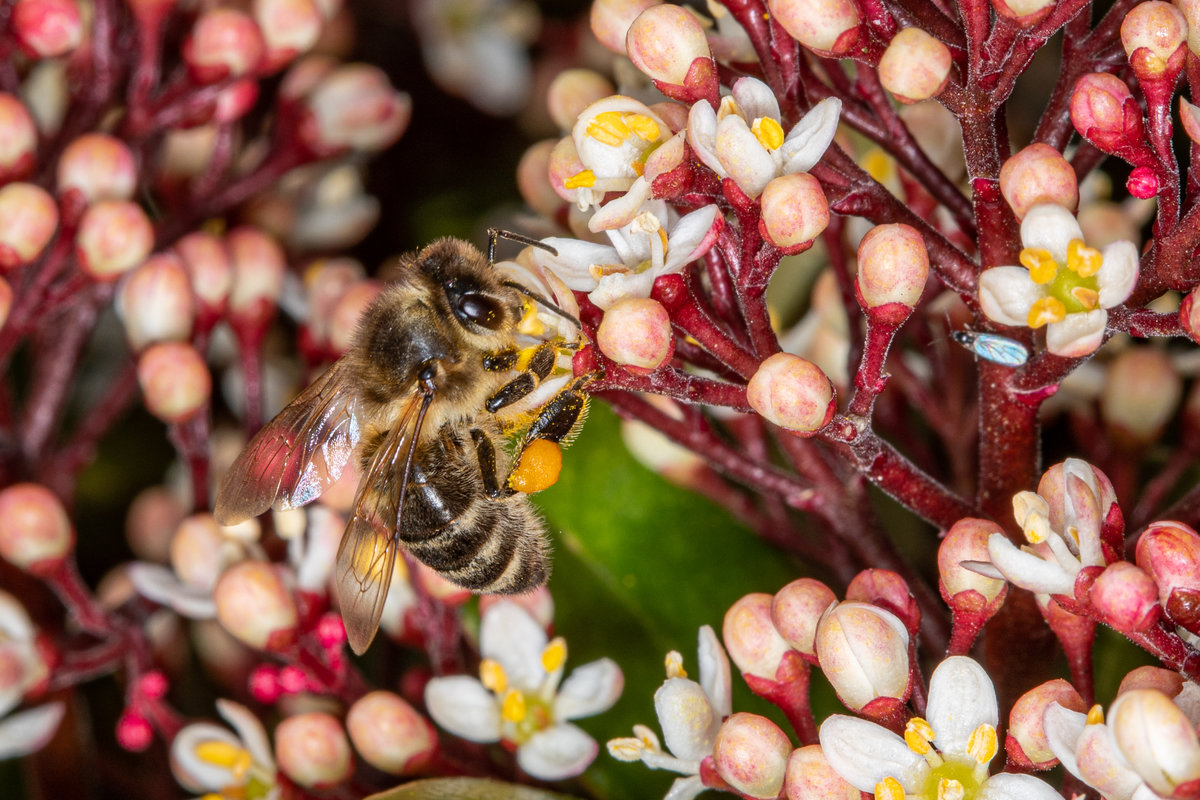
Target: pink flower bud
x=114, y=236
x=539, y=603
x=235, y=101
x=35, y=532
x=915, y=66
x=98, y=167
x=258, y=267
x=18, y=139
x=47, y=28
x=827, y=27
x=155, y=301
x=175, y=381
x=207, y=262
x=792, y=393
x=1026, y=734
x=967, y=541
x=1189, y=315
x=863, y=651
x=343, y=321
x=313, y=751
x=796, y=610
x=1153, y=35
x=390, y=734
x=1170, y=553
x=750, y=636
x=255, y=606
x=1156, y=739
x=223, y=43
x=886, y=589
x=197, y=551
x=809, y=777
x=663, y=42
x=794, y=211
x=1167, y=681
x=533, y=179
x=636, y=332
x=1025, y=12
x=6, y=300
x=1106, y=113
x=1191, y=13
x=1126, y=598
x=28, y=219
x=610, y=20
x=354, y=108
x=751, y=755
x=573, y=90
x=1141, y=394
x=303, y=76
x=1038, y=174
x=564, y=163
x=326, y=280
x=151, y=521
x=893, y=266
x=289, y=28
x=1142, y=183
x=264, y=684
x=134, y=732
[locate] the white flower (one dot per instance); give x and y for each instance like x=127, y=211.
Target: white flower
x=652, y=244
x=519, y=700
x=689, y=714
x=21, y=669
x=612, y=138
x=744, y=139
x=1061, y=282
x=211, y=759
x=951, y=749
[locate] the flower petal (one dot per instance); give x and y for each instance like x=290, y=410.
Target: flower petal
x=808, y=140
x=160, y=584
x=1010, y=786
x=743, y=156
x=193, y=773
x=558, y=752
x=29, y=731
x=619, y=286
x=1077, y=335
x=589, y=690
x=622, y=210
x=1063, y=728
x=691, y=237
x=961, y=698
x=1028, y=570
x=1006, y=295
x=714, y=673
x=574, y=259
x=865, y=753
x=686, y=716
x=1118, y=274
x=685, y=788
x=250, y=730
x=1050, y=227
x=755, y=99
x=702, y=136
x=14, y=620
x=464, y=707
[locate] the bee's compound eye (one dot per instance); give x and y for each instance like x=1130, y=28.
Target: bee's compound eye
x=479, y=309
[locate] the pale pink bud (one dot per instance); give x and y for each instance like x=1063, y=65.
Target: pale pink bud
x=1191, y=13
x=663, y=42
x=1189, y=316
x=1170, y=553
x=196, y=551
x=99, y=167
x=175, y=381
x=18, y=139
x=258, y=267
x=223, y=43
x=792, y=393
x=1125, y=597
x=796, y=610
x=863, y=651
x=564, y=164
x=303, y=76
x=355, y=108
x=1167, y=681
x=533, y=179
x=1105, y=112
x=343, y=323
x=1157, y=740
x=750, y=636
x=886, y=589
x=390, y=734
x=313, y=751
x=47, y=28
x=114, y=236
x=1141, y=394
x=155, y=301
x=35, y=532
x=636, y=332
x=207, y=262
x=1024, y=12
x=6, y=300
x=1153, y=35
x=751, y=755
x=151, y=521
x=610, y=20
x=809, y=777
x=1038, y=174
x=326, y=280
x=255, y=606
x=289, y=28
x=1026, y=733
x=538, y=602
x=915, y=66
x=573, y=90
x=967, y=541
x=235, y=101
x=186, y=152
x=794, y=211
x=893, y=266
x=28, y=219
x=827, y=27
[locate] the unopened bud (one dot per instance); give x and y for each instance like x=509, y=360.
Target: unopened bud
x=663, y=42
x=915, y=66
x=18, y=139
x=573, y=90
x=197, y=551
x=1189, y=315
x=1141, y=394
x=47, y=28
x=354, y=108
x=796, y=610
x=967, y=541
x=207, y=262
x=343, y=321
x=610, y=20
x=1191, y=14
x=751, y=755
x=134, y=732
x=750, y=636
x=35, y=532
x=223, y=43
x=1170, y=553
x=28, y=219
x=827, y=27
x=1025, y=12
x=258, y=267
x=1105, y=112
x=1167, y=681
x=155, y=302
x=794, y=211
x=1038, y=174
x=533, y=179
x=636, y=332
x=175, y=381
x=863, y=651
x=809, y=777
x=792, y=393
x=1125, y=598
x=1154, y=36
x=390, y=734
x=98, y=167
x=255, y=606
x=313, y=751
x=289, y=28
x=114, y=236
x=893, y=266
x=886, y=589
x=1027, y=741
x=1142, y=183
x=1156, y=740
x=6, y=300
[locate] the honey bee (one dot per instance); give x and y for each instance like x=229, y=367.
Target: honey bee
x=432, y=388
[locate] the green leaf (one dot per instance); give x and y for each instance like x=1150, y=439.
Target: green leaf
x=465, y=789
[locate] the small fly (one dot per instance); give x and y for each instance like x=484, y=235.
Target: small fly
x=997, y=349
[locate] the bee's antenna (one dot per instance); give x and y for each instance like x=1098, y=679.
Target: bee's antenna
x=495, y=234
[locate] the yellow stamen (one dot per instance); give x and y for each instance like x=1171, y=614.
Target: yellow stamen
x=889, y=789
x=228, y=756
x=580, y=180
x=638, y=167
x=513, y=707
x=674, y=665
x=1095, y=715
x=492, y=675
x=950, y=789
x=643, y=127
x=609, y=128
x=1045, y=311
x=555, y=654
x=1083, y=260
x=1088, y=298
x=982, y=744
x=878, y=164
x=917, y=735
x=531, y=324
x=728, y=106
x=768, y=132
x=1041, y=265
x=539, y=467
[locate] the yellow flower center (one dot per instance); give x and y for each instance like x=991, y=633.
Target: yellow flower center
x=525, y=715
x=227, y=756
x=1070, y=288
x=949, y=777
x=613, y=128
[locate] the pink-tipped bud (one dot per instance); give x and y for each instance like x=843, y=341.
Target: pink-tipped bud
x=354, y=108
x=235, y=101
x=343, y=321
x=391, y=735
x=175, y=381
x=331, y=631
x=809, y=777
x=114, y=236
x=155, y=301
x=573, y=90
x=292, y=680
x=663, y=42
x=289, y=28
x=207, y=262
x=796, y=610
x=1027, y=742
x=47, y=28
x=1157, y=741
x=1167, y=681
x=1126, y=598
x=134, y=732
x=98, y=167
x=303, y=76
x=327, y=280
x=893, y=266
x=223, y=43
x=313, y=751
x=533, y=179
x=264, y=684
x=863, y=651
x=1154, y=35
x=915, y=66
x=827, y=27
x=751, y=755
x=1038, y=174
x=564, y=165
x=888, y=590
x=198, y=551
x=151, y=521
x=28, y=219
x=153, y=685
x=1142, y=183
x=258, y=265
x=1105, y=112
x=750, y=636
x=792, y=393
x=610, y=20
x=1024, y=12
x=1170, y=553
x=18, y=139
x=967, y=541
x=35, y=532
x=794, y=211
x=636, y=332
x=1141, y=394
x=6, y=300
x=255, y=606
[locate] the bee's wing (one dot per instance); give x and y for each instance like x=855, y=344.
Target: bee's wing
x=367, y=553
x=297, y=455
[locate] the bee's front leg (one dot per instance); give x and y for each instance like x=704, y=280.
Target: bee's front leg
x=540, y=363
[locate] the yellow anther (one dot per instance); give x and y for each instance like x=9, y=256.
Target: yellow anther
x=539, y=467
x=638, y=167
x=1041, y=265
x=609, y=128
x=1088, y=298
x=1083, y=260
x=225, y=755
x=768, y=132
x=513, y=707
x=647, y=737
x=1045, y=311
x=982, y=744
x=531, y=324
x=889, y=789
x=674, y=665
x=878, y=164
x=555, y=654
x=626, y=748
x=642, y=126
x=950, y=789
x=1095, y=715
x=917, y=735
x=728, y=106
x=580, y=180
x=492, y=675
